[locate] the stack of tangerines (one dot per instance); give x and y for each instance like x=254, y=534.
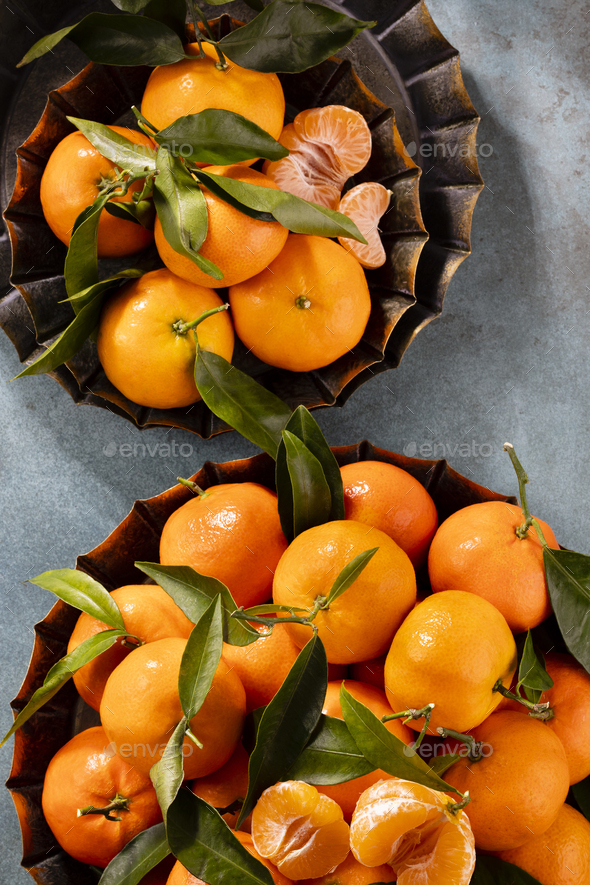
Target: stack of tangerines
x=438, y=671
x=298, y=301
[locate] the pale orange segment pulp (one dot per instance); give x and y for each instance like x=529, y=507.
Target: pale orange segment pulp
x=326, y=146
x=414, y=830
x=365, y=204
x=299, y=830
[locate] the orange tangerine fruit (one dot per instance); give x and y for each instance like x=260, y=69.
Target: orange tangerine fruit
x=70, y=183
x=519, y=785
x=181, y=876
x=148, y=613
x=450, y=651
x=372, y=671
x=143, y=349
x=361, y=622
x=263, y=665
x=233, y=533
x=226, y=785
x=86, y=772
x=193, y=85
x=416, y=831
x=309, y=307
x=239, y=245
x=389, y=498
x=348, y=793
x=366, y=204
x=477, y=550
x=560, y=855
x=299, y=830
x=140, y=709
x=351, y=872
x=326, y=146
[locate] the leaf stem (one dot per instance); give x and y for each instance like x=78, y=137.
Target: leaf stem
x=454, y=807
x=538, y=711
x=425, y=712
x=181, y=328
x=474, y=747
x=222, y=64
x=522, y=530
x=119, y=803
x=194, y=738
x=192, y=486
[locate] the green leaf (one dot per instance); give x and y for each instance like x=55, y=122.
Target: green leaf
x=170, y=12
x=86, y=295
x=167, y=774
x=568, y=580
x=62, y=671
x=441, y=764
x=200, y=659
x=81, y=265
x=493, y=871
x=182, y=211
x=532, y=672
x=218, y=137
x=144, y=852
x=330, y=756
x=193, y=594
x=288, y=722
x=205, y=845
x=383, y=749
x=581, y=793
x=271, y=608
x=256, y=5
x=291, y=37
x=349, y=574
x=135, y=158
x=138, y=213
x=303, y=425
x=116, y=40
x=82, y=592
x=310, y=492
x=132, y=6
x=241, y=401
x=299, y=216
x=70, y=341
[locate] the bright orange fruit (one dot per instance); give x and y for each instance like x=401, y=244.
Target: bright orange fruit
x=366, y=204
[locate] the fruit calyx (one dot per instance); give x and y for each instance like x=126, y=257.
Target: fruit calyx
x=302, y=302
x=119, y=803
x=474, y=748
x=181, y=327
x=537, y=711
x=410, y=714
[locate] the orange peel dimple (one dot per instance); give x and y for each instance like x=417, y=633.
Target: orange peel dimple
x=301, y=831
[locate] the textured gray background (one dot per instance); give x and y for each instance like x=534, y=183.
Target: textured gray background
x=508, y=360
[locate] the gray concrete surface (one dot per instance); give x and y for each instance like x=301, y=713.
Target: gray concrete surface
x=508, y=360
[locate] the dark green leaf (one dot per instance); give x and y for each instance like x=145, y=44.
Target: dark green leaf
x=116, y=40
x=200, y=659
x=310, y=492
x=532, y=672
x=63, y=670
x=568, y=580
x=256, y=5
x=581, y=793
x=205, y=845
x=291, y=37
x=132, y=6
x=303, y=425
x=349, y=574
x=241, y=401
x=493, y=871
x=86, y=295
x=167, y=774
x=251, y=729
x=135, y=158
x=218, y=137
x=69, y=342
x=170, y=12
x=139, y=213
x=288, y=722
x=193, y=593
x=182, y=211
x=137, y=858
x=271, y=608
x=441, y=764
x=81, y=265
x=383, y=749
x=299, y=216
x=82, y=592
x=330, y=757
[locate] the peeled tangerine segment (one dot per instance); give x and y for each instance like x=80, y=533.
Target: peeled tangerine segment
x=411, y=828
x=301, y=831
x=365, y=204
x=327, y=146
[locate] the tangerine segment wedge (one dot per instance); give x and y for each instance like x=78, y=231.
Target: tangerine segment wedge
x=326, y=146
x=365, y=204
x=302, y=832
x=415, y=831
